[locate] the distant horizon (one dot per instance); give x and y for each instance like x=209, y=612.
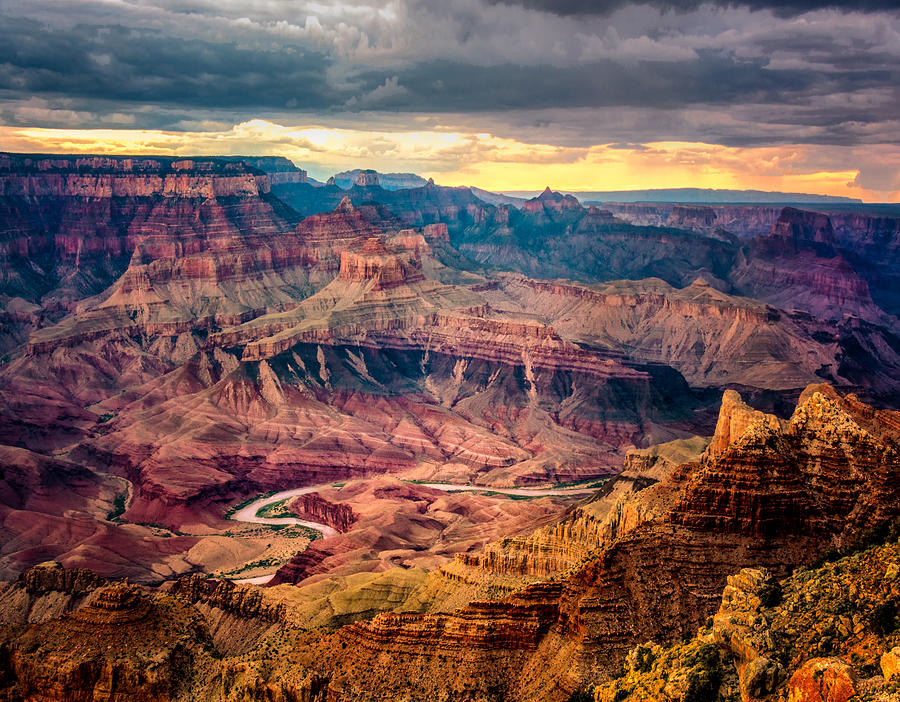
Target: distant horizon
x=321, y=174
x=504, y=95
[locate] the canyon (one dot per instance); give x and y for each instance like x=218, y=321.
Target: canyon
x=183, y=338
x=654, y=578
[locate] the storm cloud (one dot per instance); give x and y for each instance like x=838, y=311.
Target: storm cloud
x=784, y=9
x=733, y=73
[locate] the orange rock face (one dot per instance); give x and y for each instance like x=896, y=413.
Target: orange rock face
x=823, y=680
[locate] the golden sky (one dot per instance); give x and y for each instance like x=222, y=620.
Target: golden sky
x=497, y=163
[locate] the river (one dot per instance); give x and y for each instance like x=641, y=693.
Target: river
x=247, y=513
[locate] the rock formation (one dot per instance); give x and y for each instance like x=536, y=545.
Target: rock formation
x=314, y=507
x=734, y=507
x=726, y=514
x=792, y=639
x=367, y=179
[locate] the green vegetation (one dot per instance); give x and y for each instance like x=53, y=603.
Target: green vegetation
x=253, y=565
x=593, y=483
x=499, y=491
x=276, y=510
x=643, y=659
x=494, y=493
x=705, y=675
x=106, y=417
x=848, y=608
x=295, y=531
x=888, y=530
x=156, y=525
x=118, y=507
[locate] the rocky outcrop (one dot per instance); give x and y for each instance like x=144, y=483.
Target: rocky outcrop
x=46, y=591
x=518, y=623
x=436, y=233
x=365, y=179
x=743, y=221
x=237, y=617
x=375, y=263
x=823, y=680
x=344, y=222
x=113, y=606
x=121, y=644
x=735, y=417
x=52, y=577
x=742, y=601
x=692, y=217
x=890, y=664
x=104, y=177
x=248, y=682
x=550, y=203
x=814, y=636
x=242, y=601
x=798, y=228
x=798, y=266
x=390, y=181
x=733, y=510
x=314, y=507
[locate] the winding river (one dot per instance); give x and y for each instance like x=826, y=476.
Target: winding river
x=248, y=513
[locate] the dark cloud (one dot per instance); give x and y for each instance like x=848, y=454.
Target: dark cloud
x=718, y=75
x=115, y=63
x=714, y=80
x=782, y=9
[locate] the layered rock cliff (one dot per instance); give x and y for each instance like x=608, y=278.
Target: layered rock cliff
x=821, y=635
x=712, y=338
x=769, y=494
x=314, y=507
x=122, y=644
x=665, y=576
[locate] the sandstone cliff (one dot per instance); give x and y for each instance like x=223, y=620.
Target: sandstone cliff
x=730, y=513
x=770, y=494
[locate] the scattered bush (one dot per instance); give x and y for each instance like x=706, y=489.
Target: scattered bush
x=705, y=677
x=883, y=618
x=643, y=659
x=118, y=507
x=842, y=606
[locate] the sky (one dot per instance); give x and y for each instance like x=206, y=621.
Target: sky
x=797, y=96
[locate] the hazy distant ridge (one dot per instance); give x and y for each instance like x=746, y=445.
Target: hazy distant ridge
x=693, y=195
x=388, y=181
